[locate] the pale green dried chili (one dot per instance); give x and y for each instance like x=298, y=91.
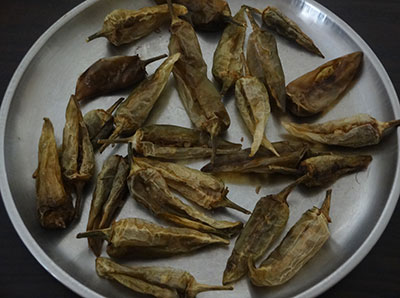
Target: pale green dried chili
x=53, y=203
x=123, y=26
x=77, y=158
x=301, y=243
x=133, y=112
x=161, y=282
x=149, y=188
x=108, y=197
x=137, y=238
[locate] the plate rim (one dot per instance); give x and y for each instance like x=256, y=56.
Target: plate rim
x=79, y=288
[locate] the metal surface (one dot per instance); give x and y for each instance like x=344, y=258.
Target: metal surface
x=361, y=204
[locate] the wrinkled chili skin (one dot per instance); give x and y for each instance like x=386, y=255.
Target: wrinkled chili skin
x=265, y=224
x=227, y=63
x=53, y=203
x=300, y=244
x=163, y=282
x=324, y=169
x=264, y=62
x=134, y=238
x=123, y=26
x=315, y=91
x=277, y=21
x=206, y=15
x=111, y=74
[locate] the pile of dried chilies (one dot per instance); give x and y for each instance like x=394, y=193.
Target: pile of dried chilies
x=149, y=172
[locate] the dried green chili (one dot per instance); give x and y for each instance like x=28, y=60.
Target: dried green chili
x=252, y=101
x=137, y=238
x=150, y=189
x=111, y=74
x=265, y=224
x=315, y=91
x=227, y=63
x=264, y=62
x=123, y=26
x=300, y=244
x=325, y=169
x=264, y=161
x=356, y=131
x=200, y=188
x=53, y=203
x=133, y=112
x=161, y=282
x=108, y=196
x=175, y=142
x=77, y=158
x=277, y=21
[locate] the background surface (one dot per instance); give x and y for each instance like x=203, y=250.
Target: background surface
x=23, y=21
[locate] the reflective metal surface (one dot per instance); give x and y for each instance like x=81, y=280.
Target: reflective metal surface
x=361, y=204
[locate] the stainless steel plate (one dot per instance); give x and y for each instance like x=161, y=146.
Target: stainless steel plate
x=362, y=204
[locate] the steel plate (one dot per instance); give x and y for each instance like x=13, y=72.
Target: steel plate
x=361, y=205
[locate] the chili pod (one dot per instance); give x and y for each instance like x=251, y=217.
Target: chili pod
x=315, y=91
x=135, y=237
x=301, y=243
x=227, y=64
x=149, y=188
x=325, y=169
x=208, y=15
x=356, y=131
x=100, y=122
x=275, y=20
x=53, y=203
x=133, y=112
x=252, y=101
x=202, y=189
x=264, y=62
x=77, y=159
x=162, y=282
x=108, y=197
x=111, y=74
x=265, y=224
x=124, y=26
x=264, y=161
x=175, y=142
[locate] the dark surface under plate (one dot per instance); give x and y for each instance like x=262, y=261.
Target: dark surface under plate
x=22, y=22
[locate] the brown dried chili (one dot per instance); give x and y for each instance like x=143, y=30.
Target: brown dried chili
x=275, y=20
x=252, y=101
x=111, y=74
x=108, y=197
x=133, y=112
x=356, y=131
x=300, y=244
x=138, y=238
x=77, y=158
x=264, y=62
x=325, y=169
x=150, y=189
x=315, y=91
x=100, y=123
x=207, y=15
x=53, y=203
x=200, y=188
x=161, y=282
x=264, y=161
x=123, y=26
x=227, y=64
x=175, y=142
x=265, y=224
